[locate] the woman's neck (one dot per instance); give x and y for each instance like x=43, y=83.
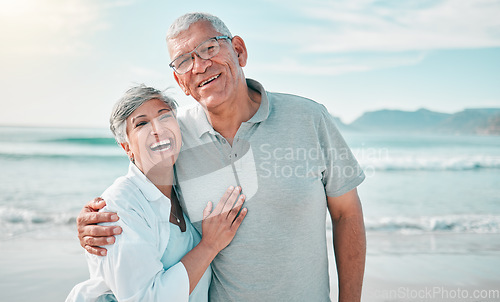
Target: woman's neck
x=163, y=179
x=166, y=190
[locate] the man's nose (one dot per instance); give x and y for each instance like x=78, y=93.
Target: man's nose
x=200, y=65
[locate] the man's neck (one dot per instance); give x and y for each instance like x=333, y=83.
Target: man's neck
x=228, y=120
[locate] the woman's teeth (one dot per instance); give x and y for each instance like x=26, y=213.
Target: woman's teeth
x=161, y=145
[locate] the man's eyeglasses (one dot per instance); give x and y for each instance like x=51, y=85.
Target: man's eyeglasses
x=205, y=50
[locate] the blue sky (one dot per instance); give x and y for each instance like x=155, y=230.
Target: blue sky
x=64, y=63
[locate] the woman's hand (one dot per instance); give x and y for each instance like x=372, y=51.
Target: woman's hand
x=220, y=225
x=218, y=229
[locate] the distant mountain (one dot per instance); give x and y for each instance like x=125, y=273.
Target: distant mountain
x=472, y=121
x=421, y=120
x=482, y=121
x=341, y=125
x=493, y=127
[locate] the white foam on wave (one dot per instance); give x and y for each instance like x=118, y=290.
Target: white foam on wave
x=484, y=224
x=431, y=163
x=15, y=221
x=40, y=150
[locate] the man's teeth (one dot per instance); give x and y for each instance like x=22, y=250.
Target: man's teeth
x=161, y=145
x=209, y=80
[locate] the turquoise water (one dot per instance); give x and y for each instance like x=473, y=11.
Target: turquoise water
x=417, y=186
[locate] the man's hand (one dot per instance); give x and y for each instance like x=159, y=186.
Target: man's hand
x=92, y=235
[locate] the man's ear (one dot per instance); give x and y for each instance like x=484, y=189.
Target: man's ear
x=240, y=49
x=179, y=82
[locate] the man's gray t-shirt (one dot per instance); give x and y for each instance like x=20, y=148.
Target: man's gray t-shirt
x=287, y=158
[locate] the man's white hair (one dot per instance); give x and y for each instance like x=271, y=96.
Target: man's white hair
x=185, y=21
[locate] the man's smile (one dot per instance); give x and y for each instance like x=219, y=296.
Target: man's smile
x=208, y=80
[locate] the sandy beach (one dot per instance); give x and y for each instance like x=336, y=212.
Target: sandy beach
x=45, y=269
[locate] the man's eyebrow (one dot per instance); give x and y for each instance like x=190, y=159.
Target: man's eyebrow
x=136, y=117
x=164, y=109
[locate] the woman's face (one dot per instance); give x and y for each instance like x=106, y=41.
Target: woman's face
x=154, y=137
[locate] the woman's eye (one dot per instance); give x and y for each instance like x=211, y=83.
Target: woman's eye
x=166, y=116
x=140, y=124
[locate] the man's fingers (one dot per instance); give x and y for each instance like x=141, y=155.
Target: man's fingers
x=99, y=231
x=96, y=204
x=98, y=241
x=99, y=251
x=95, y=217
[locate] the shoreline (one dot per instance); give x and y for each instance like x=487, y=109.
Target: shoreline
x=45, y=269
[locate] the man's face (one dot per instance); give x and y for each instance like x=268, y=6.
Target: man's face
x=214, y=81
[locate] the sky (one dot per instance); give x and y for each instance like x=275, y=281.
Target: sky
x=64, y=63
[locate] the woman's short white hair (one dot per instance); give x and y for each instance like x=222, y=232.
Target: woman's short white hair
x=130, y=101
x=183, y=22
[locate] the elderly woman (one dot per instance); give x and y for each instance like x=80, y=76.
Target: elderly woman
x=159, y=256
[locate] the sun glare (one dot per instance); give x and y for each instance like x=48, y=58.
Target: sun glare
x=17, y=8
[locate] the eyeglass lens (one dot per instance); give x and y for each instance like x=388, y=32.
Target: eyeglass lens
x=205, y=50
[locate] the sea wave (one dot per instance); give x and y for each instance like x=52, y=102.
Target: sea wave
x=15, y=221
x=22, y=150
x=371, y=159
x=73, y=156
x=432, y=163
x=92, y=141
x=28, y=216
x=484, y=224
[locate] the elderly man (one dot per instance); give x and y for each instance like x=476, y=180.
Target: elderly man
x=286, y=154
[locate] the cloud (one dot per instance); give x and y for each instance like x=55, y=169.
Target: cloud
x=338, y=64
x=342, y=26
x=51, y=27
x=337, y=37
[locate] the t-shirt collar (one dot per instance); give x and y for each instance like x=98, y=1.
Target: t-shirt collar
x=203, y=125
x=263, y=112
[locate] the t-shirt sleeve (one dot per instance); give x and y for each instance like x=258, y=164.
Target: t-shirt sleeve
x=342, y=171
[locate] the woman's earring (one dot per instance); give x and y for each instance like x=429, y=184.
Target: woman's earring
x=132, y=159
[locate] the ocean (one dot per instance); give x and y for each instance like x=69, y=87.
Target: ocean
x=416, y=184
x=431, y=205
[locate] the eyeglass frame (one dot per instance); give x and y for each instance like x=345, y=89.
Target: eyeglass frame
x=217, y=38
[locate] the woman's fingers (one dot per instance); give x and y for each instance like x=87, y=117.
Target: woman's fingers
x=228, y=205
x=231, y=215
x=227, y=200
x=222, y=201
x=237, y=222
x=220, y=225
x=207, y=210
